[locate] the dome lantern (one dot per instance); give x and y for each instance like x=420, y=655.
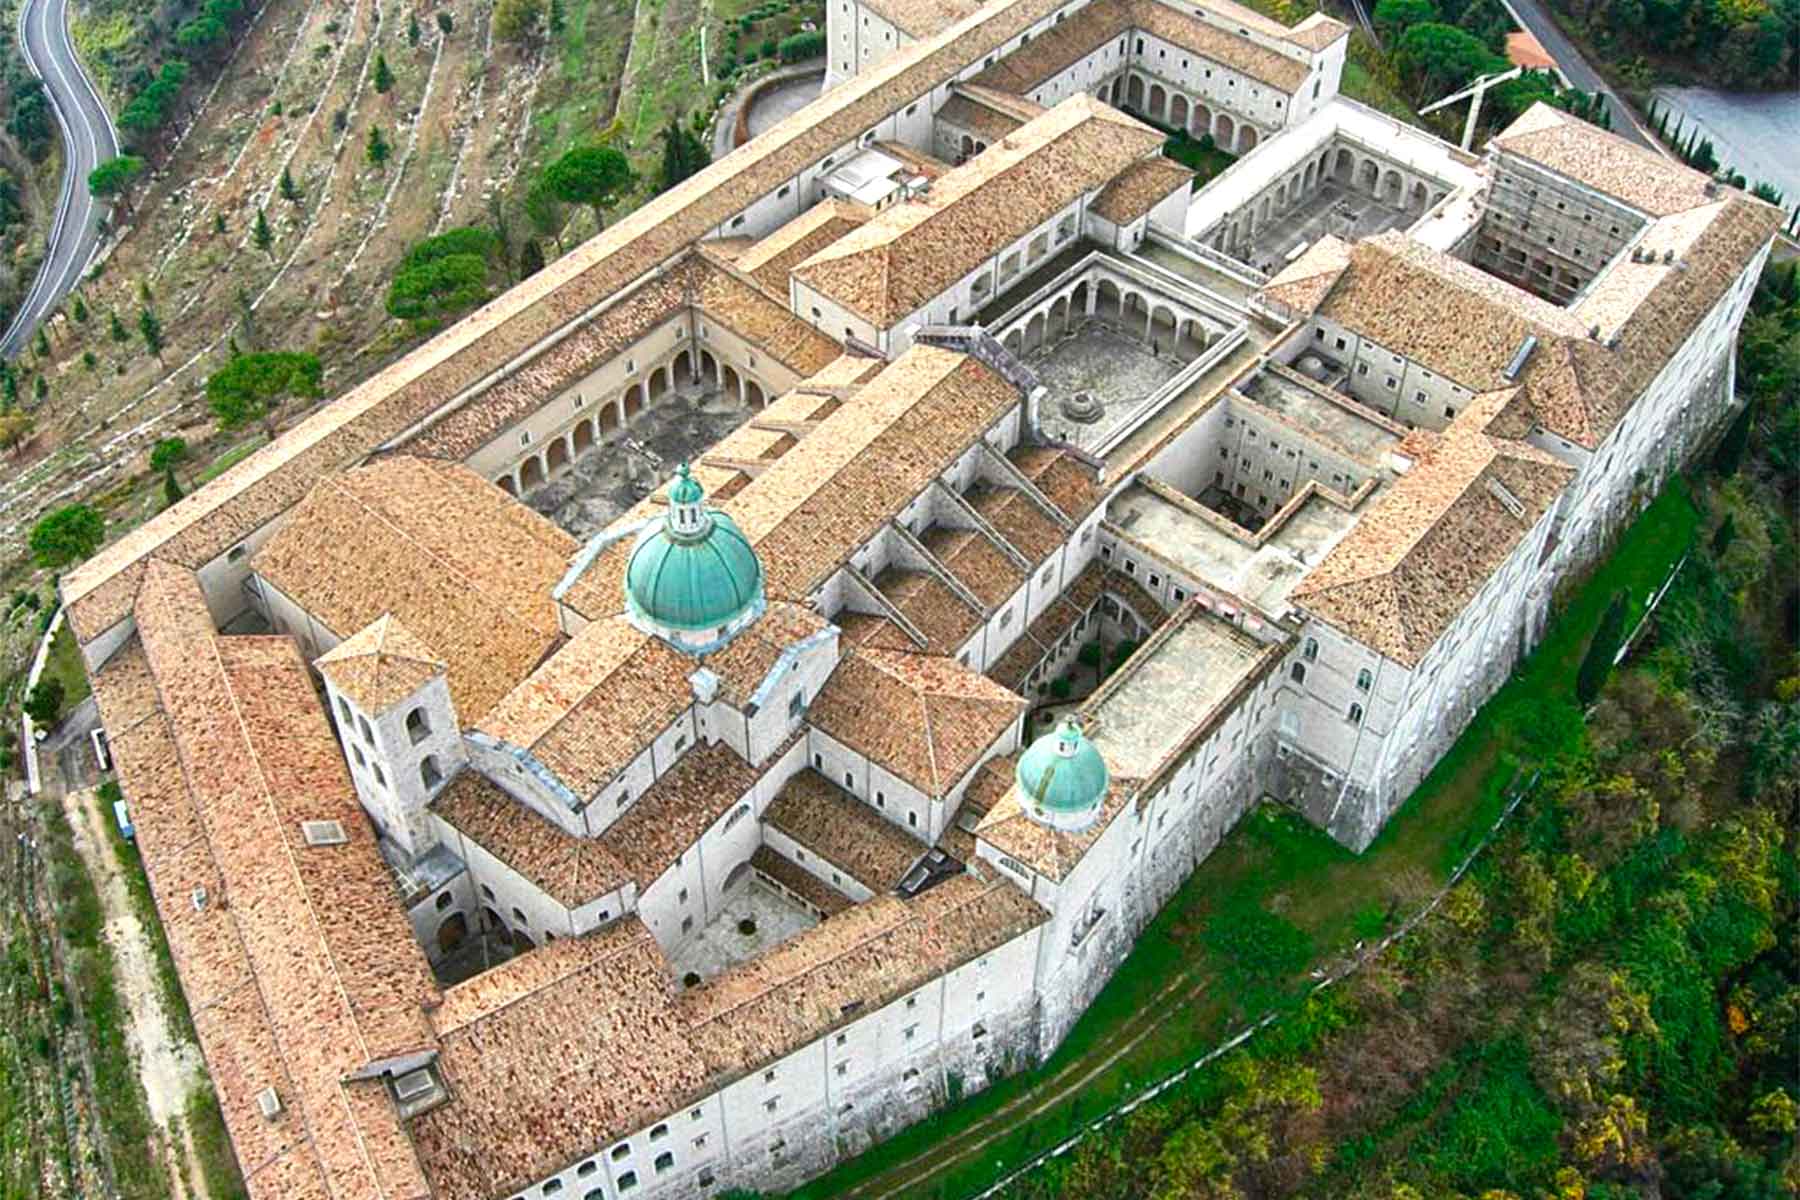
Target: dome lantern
x=693, y=578
x=1062, y=779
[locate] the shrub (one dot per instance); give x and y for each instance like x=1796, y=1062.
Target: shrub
x=799, y=46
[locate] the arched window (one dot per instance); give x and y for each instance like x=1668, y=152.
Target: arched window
x=445, y=901
x=362, y=727
x=429, y=774
x=344, y=711
x=1365, y=679
x=380, y=777
x=418, y=728
x=1298, y=673
x=1354, y=716
x=742, y=811
x=1310, y=652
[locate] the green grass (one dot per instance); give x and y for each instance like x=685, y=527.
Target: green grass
x=64, y=665
x=1274, y=863
x=227, y=460
x=212, y=1147
x=175, y=1008
x=1204, y=160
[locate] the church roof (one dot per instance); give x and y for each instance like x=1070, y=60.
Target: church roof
x=379, y=665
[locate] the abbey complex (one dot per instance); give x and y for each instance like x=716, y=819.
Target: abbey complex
x=1063, y=510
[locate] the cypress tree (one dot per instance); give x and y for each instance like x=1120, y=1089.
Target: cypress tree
x=260, y=233
x=171, y=488
x=1598, y=663
x=1730, y=454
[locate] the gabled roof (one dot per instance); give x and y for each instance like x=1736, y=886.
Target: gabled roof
x=571, y=870
x=1435, y=536
x=465, y=567
x=379, y=665
x=1606, y=162
x=1301, y=284
x=924, y=718
x=912, y=251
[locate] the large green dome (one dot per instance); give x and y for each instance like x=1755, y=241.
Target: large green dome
x=693, y=577
x=1062, y=779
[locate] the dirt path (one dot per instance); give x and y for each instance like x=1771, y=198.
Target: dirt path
x=168, y=1067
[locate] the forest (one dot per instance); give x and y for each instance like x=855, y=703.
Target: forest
x=1740, y=44
x=1606, y=1005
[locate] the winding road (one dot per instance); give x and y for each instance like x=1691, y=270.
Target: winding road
x=89, y=139
x=1534, y=15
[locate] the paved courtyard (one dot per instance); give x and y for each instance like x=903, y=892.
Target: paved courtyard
x=718, y=944
x=612, y=477
x=1115, y=369
x=1333, y=209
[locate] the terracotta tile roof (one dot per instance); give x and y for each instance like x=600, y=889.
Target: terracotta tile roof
x=846, y=966
x=594, y=704
x=1047, y=851
x=800, y=881
x=572, y=871
x=745, y=663
x=915, y=160
x=1063, y=45
x=683, y=803
x=1140, y=188
x=1301, y=284
x=762, y=319
x=465, y=567
x=1634, y=174
x=1067, y=482
x=1317, y=32
x=923, y=718
x=843, y=831
x=982, y=120
x=1022, y=523
x=379, y=665
x=934, y=610
x=828, y=495
x=911, y=252
x=990, y=785
x=976, y=562
x=1011, y=669
x=209, y=522
x=769, y=260
x=923, y=18
x=297, y=961
x=551, y=1056
x=1434, y=536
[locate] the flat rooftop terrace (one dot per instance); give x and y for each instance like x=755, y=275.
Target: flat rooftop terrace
x=1263, y=575
x=1331, y=420
x=1201, y=662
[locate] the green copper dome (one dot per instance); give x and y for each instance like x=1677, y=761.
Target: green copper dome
x=693, y=577
x=1063, y=779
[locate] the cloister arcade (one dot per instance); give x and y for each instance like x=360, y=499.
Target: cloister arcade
x=1169, y=106
x=595, y=425
x=1333, y=173
x=1164, y=325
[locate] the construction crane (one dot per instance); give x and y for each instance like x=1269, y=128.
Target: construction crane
x=1478, y=89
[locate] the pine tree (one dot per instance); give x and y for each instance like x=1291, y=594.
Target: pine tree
x=152, y=330
x=260, y=233
x=218, y=222
x=290, y=191
x=556, y=18
x=378, y=151
x=116, y=327
x=78, y=308
x=384, y=78
x=445, y=23
x=41, y=343
x=40, y=387
x=412, y=29
x=1598, y=663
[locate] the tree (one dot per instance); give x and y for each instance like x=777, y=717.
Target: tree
x=556, y=18
x=45, y=703
x=152, y=331
x=445, y=23
x=596, y=176
x=545, y=212
x=116, y=327
x=260, y=233
x=168, y=453
x=114, y=177
x=531, y=258
x=66, y=536
x=15, y=427
x=290, y=191
x=1598, y=663
x=378, y=151
x=384, y=77
x=444, y=275
x=252, y=385
x=78, y=309
x=40, y=389
x=219, y=222
x=1442, y=57
x=1394, y=17
x=1730, y=453
x=683, y=154
x=412, y=29
x=517, y=20
x=40, y=342
x=171, y=489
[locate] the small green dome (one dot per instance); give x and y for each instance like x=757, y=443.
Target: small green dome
x=693, y=572
x=1063, y=779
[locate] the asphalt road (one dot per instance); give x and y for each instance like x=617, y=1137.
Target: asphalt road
x=88, y=140
x=1533, y=16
